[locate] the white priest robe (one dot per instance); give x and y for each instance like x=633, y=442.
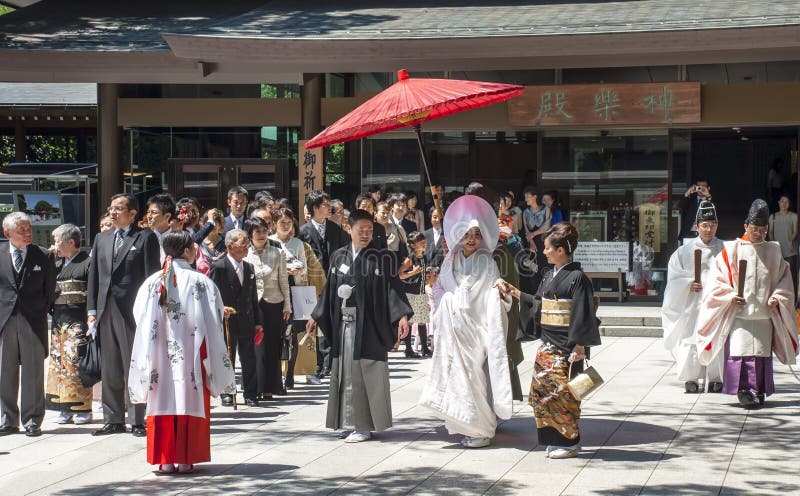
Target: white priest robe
x=165, y=367
x=755, y=329
x=681, y=306
x=469, y=385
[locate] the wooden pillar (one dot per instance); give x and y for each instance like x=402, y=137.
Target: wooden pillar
x=20, y=142
x=311, y=102
x=109, y=141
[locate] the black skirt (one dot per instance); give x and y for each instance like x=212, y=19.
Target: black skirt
x=268, y=353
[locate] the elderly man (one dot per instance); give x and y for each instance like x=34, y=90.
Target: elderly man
x=747, y=316
x=27, y=290
x=236, y=281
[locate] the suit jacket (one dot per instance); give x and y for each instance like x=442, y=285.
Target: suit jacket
x=120, y=277
x=688, y=207
x=378, y=237
x=229, y=224
x=243, y=297
x=434, y=254
x=32, y=293
x=335, y=238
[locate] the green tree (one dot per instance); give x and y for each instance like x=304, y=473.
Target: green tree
x=44, y=206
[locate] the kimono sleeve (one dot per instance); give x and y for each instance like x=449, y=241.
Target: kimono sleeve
x=530, y=308
x=583, y=323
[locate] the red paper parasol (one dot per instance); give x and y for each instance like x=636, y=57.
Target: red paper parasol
x=410, y=102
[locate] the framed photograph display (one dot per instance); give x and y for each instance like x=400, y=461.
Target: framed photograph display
x=591, y=225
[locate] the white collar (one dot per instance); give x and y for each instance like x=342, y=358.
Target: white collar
x=355, y=252
x=233, y=261
x=11, y=248
x=317, y=224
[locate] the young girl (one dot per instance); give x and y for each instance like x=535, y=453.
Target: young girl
x=414, y=281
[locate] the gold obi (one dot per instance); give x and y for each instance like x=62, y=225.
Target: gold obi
x=72, y=292
x=555, y=313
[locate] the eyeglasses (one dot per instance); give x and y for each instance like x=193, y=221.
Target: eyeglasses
x=117, y=209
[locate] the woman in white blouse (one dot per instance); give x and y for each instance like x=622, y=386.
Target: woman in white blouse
x=272, y=286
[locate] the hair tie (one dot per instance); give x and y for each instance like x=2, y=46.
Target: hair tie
x=569, y=247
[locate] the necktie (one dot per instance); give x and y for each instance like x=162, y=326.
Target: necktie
x=17, y=259
x=118, y=239
x=239, y=273
x=236, y=224
x=321, y=229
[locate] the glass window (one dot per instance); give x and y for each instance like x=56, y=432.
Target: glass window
x=613, y=185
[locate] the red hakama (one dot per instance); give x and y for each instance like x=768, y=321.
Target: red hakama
x=181, y=439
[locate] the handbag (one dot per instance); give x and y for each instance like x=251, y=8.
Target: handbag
x=89, y=363
x=585, y=382
x=304, y=299
x=306, y=363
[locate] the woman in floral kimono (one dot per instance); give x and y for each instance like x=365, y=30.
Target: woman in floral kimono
x=565, y=340
x=179, y=358
x=65, y=392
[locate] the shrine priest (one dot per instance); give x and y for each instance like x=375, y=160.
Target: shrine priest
x=748, y=318
x=686, y=275
x=363, y=314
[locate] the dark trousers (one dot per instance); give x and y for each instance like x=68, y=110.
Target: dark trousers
x=323, y=354
x=116, y=345
x=268, y=353
x=243, y=344
x=20, y=348
x=289, y=381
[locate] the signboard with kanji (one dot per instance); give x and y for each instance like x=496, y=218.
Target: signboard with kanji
x=310, y=174
x=650, y=225
x=606, y=105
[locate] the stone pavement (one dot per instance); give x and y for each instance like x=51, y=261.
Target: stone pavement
x=641, y=435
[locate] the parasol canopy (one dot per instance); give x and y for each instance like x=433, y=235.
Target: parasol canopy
x=410, y=102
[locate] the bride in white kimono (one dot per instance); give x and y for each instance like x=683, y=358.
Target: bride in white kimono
x=469, y=385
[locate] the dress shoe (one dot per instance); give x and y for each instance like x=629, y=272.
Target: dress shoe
x=326, y=373
x=413, y=355
x=227, y=400
x=715, y=387
x=138, y=430
x=83, y=418
x=562, y=453
x=251, y=402
x=7, y=429
x=110, y=429
x=282, y=392
x=691, y=387
x=33, y=431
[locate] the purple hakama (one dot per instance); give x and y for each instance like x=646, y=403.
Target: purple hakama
x=751, y=373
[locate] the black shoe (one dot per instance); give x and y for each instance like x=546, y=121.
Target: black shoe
x=691, y=387
x=282, y=392
x=33, y=431
x=427, y=353
x=761, y=399
x=227, y=400
x=326, y=373
x=250, y=402
x=412, y=355
x=109, y=429
x=138, y=430
x=715, y=387
x=746, y=398
x=7, y=429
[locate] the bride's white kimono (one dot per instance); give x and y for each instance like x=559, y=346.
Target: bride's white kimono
x=469, y=385
x=681, y=307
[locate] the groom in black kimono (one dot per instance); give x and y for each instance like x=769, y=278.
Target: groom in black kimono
x=364, y=313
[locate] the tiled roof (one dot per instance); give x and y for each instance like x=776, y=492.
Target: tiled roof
x=128, y=26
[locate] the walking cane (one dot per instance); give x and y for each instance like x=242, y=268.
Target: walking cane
x=228, y=343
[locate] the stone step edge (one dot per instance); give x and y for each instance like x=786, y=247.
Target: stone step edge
x=632, y=331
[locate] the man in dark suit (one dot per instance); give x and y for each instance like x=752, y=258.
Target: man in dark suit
x=237, y=204
x=324, y=236
x=27, y=290
x=236, y=281
x=122, y=258
x=434, y=253
x=697, y=192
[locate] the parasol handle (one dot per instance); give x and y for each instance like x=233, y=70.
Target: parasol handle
x=437, y=202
